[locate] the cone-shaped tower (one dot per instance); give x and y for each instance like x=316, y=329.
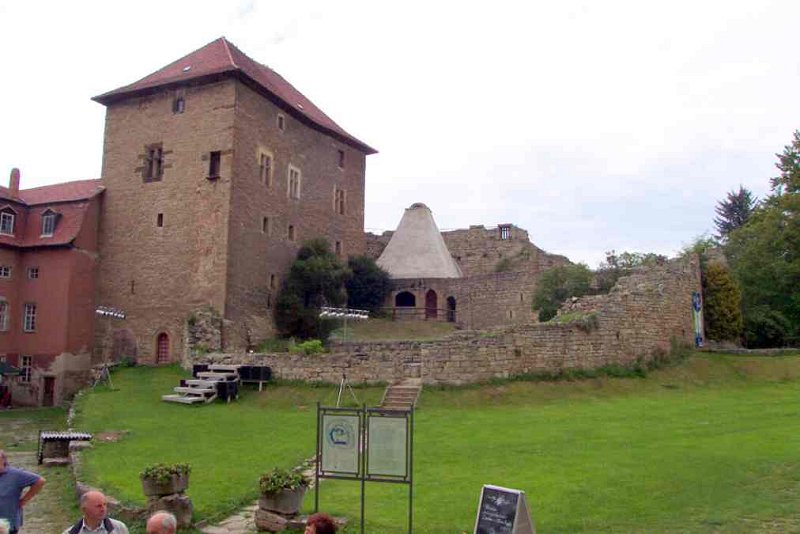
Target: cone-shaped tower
x=417, y=249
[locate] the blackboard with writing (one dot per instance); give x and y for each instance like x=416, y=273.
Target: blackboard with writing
x=502, y=511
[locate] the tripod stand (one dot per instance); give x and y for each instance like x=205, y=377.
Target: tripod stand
x=342, y=385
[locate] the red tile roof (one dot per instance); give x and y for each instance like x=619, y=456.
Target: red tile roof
x=222, y=58
x=70, y=201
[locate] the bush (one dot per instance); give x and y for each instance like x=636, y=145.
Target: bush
x=765, y=328
x=280, y=479
x=722, y=304
x=308, y=347
x=164, y=472
x=557, y=285
x=369, y=285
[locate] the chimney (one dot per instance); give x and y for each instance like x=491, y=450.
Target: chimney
x=13, y=182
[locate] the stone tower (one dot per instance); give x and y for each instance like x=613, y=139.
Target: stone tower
x=216, y=169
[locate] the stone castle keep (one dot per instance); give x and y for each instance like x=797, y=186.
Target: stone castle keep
x=215, y=170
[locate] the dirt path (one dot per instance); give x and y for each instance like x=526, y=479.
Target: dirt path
x=48, y=512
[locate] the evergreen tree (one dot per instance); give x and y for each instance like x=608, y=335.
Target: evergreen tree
x=722, y=304
x=369, y=285
x=734, y=211
x=316, y=279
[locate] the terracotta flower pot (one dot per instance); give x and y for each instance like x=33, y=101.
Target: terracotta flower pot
x=174, y=484
x=285, y=502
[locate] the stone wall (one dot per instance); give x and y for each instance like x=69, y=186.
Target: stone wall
x=637, y=321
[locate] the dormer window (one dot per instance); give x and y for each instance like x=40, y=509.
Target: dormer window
x=48, y=223
x=7, y=217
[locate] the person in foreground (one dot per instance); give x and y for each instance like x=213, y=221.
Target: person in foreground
x=94, y=507
x=320, y=524
x=12, y=501
x=162, y=523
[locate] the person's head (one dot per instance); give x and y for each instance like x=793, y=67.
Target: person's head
x=94, y=507
x=3, y=460
x=320, y=524
x=162, y=523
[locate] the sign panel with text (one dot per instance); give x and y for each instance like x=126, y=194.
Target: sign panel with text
x=339, y=447
x=387, y=452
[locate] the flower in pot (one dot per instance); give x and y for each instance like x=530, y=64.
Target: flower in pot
x=282, y=491
x=165, y=479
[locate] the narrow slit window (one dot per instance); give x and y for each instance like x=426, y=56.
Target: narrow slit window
x=290, y=232
x=265, y=225
x=265, y=168
x=214, y=164
x=160, y=220
x=154, y=163
x=341, y=159
x=281, y=122
x=338, y=248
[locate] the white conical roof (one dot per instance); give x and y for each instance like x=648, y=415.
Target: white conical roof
x=417, y=249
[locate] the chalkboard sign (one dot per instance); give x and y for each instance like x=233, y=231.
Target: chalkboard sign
x=503, y=511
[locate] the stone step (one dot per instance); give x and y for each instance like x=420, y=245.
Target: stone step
x=206, y=382
x=182, y=399
x=194, y=390
x=224, y=367
x=221, y=375
x=398, y=407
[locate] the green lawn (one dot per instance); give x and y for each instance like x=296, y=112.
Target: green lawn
x=707, y=446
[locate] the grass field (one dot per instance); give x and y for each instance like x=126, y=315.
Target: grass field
x=707, y=446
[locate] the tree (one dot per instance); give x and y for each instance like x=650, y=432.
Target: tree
x=369, y=285
x=557, y=285
x=734, y=211
x=618, y=265
x=316, y=279
x=764, y=255
x=722, y=304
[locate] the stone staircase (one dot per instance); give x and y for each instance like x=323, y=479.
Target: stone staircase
x=205, y=387
x=402, y=395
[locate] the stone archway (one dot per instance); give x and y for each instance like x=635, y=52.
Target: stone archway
x=405, y=299
x=162, y=348
x=451, y=309
x=431, y=304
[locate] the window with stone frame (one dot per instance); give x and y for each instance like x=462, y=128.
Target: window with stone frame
x=293, y=185
x=7, y=217
x=179, y=101
x=26, y=363
x=29, y=317
x=265, y=169
x=48, y=223
x=339, y=201
x=153, y=169
x=215, y=164
x=4, y=315
x=290, y=232
x=505, y=231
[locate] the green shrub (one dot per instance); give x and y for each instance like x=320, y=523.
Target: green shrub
x=274, y=345
x=164, y=472
x=557, y=285
x=722, y=304
x=765, y=328
x=368, y=287
x=308, y=347
x=280, y=479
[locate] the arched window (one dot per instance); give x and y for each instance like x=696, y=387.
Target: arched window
x=162, y=348
x=405, y=299
x=451, y=309
x=431, y=304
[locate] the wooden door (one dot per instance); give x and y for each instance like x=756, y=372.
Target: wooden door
x=431, y=304
x=162, y=348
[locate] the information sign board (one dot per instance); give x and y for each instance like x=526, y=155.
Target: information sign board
x=339, y=447
x=503, y=511
x=387, y=453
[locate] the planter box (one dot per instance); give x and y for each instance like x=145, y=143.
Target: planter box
x=158, y=488
x=285, y=502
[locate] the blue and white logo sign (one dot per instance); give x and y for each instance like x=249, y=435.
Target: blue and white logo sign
x=340, y=444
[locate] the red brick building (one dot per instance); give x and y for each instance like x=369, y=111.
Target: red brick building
x=216, y=169
x=48, y=266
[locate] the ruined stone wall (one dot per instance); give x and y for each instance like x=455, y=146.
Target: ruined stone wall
x=635, y=322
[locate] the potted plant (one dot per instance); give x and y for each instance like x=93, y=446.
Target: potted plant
x=165, y=479
x=282, y=491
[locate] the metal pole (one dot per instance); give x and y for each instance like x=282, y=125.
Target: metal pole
x=411, y=474
x=316, y=465
x=363, y=461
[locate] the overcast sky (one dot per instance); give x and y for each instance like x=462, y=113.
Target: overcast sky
x=593, y=125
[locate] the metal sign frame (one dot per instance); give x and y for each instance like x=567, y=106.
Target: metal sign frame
x=363, y=474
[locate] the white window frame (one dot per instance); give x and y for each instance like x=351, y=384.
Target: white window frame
x=29, y=317
x=5, y=312
x=5, y=271
x=33, y=273
x=294, y=180
x=7, y=219
x=25, y=370
x=48, y=224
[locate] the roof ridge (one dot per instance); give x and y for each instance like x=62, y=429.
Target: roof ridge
x=228, y=51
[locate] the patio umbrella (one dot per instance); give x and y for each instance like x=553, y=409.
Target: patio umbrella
x=7, y=369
